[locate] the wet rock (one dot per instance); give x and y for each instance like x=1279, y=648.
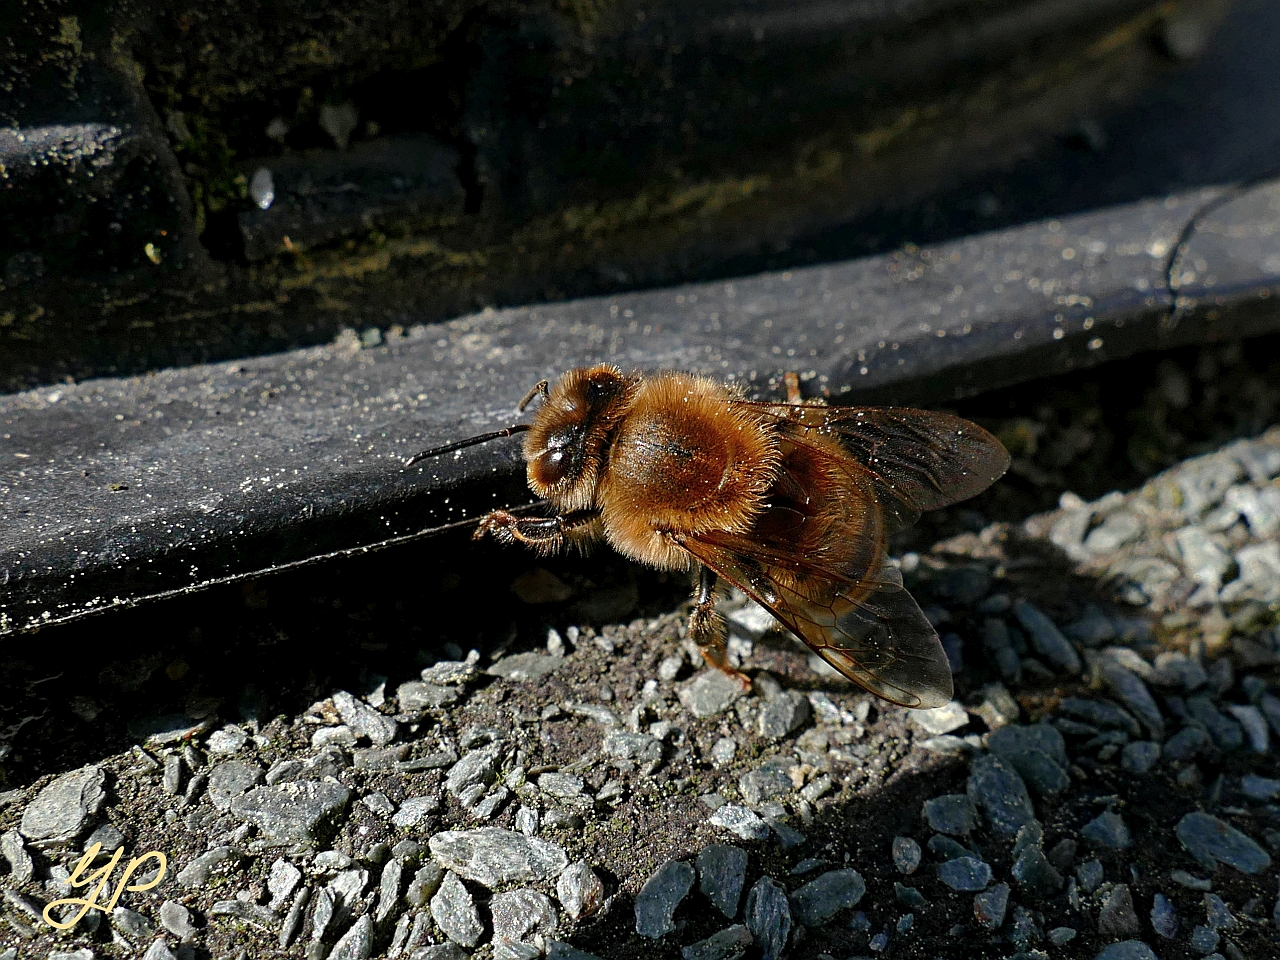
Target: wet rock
x=555, y=951
x=1185, y=744
x=1035, y=875
x=450, y=950
x=525, y=666
x=999, y=791
x=966, y=874
x=580, y=891
x=1037, y=752
x=944, y=848
x=909, y=897
x=906, y=854
x=826, y=895
x=1259, y=788
x=1109, y=830
x=356, y=943
x=197, y=873
x=766, y=781
x=1046, y=638
x=658, y=899
x=999, y=649
x=639, y=748
x=728, y=944
x=1203, y=940
x=415, y=696
x=1173, y=668
x=709, y=693
x=1093, y=629
x=1226, y=733
x=476, y=768
x=1259, y=565
x=1113, y=533
x=1090, y=875
x=1100, y=713
x=593, y=711
x=426, y=881
x=783, y=715
x=252, y=913
x=297, y=810
x=1260, y=507
x=1164, y=918
x=561, y=785
x=940, y=720
x=990, y=905
x=1060, y=935
x=15, y=852
x=454, y=911
x=740, y=821
x=1254, y=724
x=281, y=882
x=159, y=950
x=389, y=890
x=363, y=720
x=1211, y=841
x=61, y=811
x=1127, y=950
x=952, y=813
x=230, y=779
x=132, y=925
x=521, y=916
x=1116, y=918
x=494, y=857
x=1128, y=688
x=722, y=873
x=768, y=916
x=1204, y=557
x=413, y=810
x=1139, y=757
x=453, y=672
x=1218, y=915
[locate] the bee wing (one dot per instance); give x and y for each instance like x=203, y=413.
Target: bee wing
x=916, y=460
x=868, y=628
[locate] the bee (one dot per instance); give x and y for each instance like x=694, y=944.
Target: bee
x=792, y=503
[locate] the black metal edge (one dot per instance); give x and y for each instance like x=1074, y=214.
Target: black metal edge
x=312, y=465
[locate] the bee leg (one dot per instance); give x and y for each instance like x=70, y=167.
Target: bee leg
x=547, y=535
x=706, y=627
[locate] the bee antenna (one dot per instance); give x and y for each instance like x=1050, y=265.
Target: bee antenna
x=542, y=387
x=469, y=442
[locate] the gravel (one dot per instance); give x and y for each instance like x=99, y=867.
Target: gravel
x=61, y=811
x=768, y=916
x=998, y=790
x=965, y=874
x=722, y=873
x=493, y=857
x=1211, y=841
x=1120, y=732
x=299, y=810
x=823, y=897
x=954, y=814
x=658, y=899
x=454, y=911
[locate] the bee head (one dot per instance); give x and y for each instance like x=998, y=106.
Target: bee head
x=565, y=445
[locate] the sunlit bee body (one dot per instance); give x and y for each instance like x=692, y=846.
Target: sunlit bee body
x=793, y=503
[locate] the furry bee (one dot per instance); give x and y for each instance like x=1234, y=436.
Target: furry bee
x=792, y=503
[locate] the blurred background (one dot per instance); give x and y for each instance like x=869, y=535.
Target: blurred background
x=186, y=181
